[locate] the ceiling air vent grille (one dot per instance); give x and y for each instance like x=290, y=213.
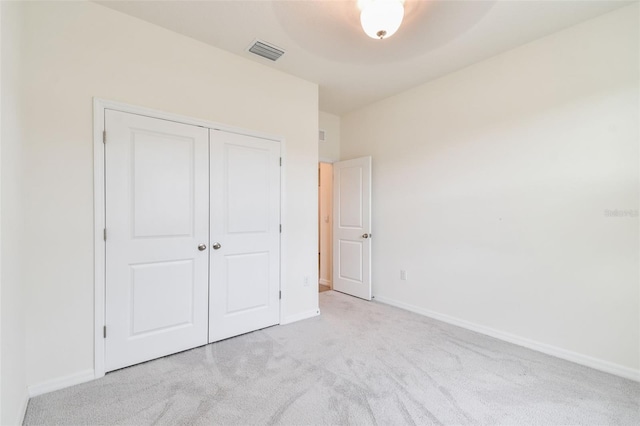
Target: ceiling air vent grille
x=266, y=50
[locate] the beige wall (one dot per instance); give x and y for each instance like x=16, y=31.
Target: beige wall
x=491, y=187
x=325, y=200
x=13, y=385
x=74, y=51
x=329, y=149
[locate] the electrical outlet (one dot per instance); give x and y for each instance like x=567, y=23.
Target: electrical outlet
x=403, y=275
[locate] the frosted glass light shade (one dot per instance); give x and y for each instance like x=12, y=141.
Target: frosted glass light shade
x=381, y=18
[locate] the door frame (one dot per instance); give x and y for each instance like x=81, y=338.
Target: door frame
x=99, y=205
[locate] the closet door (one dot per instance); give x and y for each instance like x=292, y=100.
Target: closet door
x=245, y=234
x=157, y=230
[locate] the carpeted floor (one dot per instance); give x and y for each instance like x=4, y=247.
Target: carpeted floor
x=358, y=363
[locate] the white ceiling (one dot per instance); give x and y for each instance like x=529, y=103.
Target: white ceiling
x=325, y=44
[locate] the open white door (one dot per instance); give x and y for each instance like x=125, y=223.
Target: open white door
x=245, y=234
x=157, y=230
x=352, y=227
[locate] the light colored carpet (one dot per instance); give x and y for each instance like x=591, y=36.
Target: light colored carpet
x=358, y=363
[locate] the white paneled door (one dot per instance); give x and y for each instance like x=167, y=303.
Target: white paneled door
x=157, y=214
x=245, y=234
x=352, y=227
x=192, y=236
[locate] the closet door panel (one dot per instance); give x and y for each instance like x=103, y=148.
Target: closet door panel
x=157, y=214
x=245, y=223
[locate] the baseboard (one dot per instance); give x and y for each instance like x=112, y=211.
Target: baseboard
x=61, y=382
x=325, y=282
x=299, y=317
x=578, y=358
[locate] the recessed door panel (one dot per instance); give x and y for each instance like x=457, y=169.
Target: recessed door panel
x=157, y=213
x=163, y=173
x=247, y=189
x=161, y=296
x=350, y=195
x=350, y=253
x=247, y=282
x=245, y=223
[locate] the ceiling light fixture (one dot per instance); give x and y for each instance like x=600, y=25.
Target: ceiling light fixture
x=381, y=18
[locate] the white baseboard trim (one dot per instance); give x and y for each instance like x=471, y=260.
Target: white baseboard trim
x=299, y=317
x=578, y=358
x=61, y=382
x=325, y=282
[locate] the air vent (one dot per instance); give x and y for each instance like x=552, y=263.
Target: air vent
x=266, y=50
x=321, y=135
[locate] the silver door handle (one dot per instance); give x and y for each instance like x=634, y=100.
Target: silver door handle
x=202, y=247
x=366, y=235
x=216, y=246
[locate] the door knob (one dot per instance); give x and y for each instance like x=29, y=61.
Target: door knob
x=216, y=246
x=366, y=235
x=202, y=247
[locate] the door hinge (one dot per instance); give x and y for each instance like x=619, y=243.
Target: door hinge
x=104, y=332
x=104, y=234
x=280, y=295
x=104, y=136
x=281, y=228
x=280, y=161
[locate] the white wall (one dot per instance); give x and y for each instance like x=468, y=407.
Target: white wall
x=490, y=187
x=13, y=384
x=329, y=149
x=74, y=51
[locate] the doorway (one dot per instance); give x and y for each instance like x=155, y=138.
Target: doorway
x=352, y=227
x=325, y=226
x=344, y=227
